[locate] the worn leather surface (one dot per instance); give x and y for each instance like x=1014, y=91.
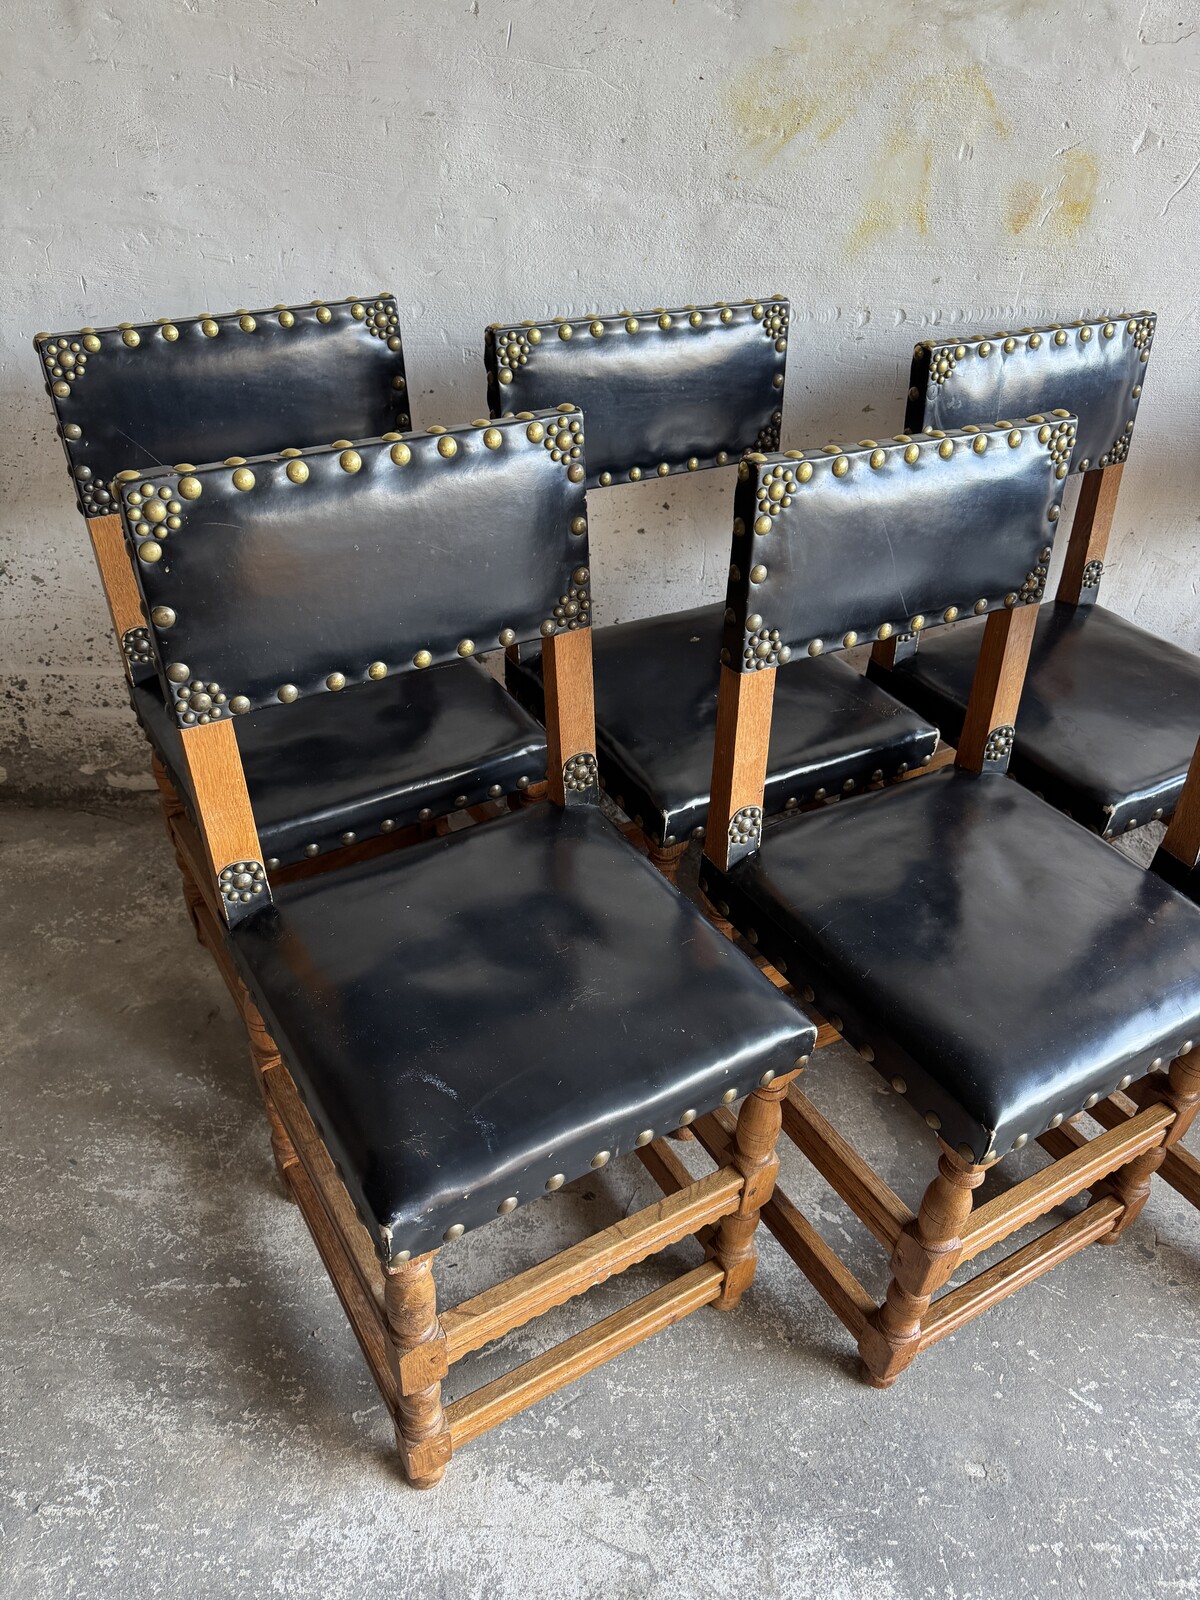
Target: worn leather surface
x=372, y=565
x=1177, y=873
x=996, y=958
x=370, y=760
x=469, y=1018
x=656, y=715
x=692, y=394
x=836, y=547
x=1108, y=715
x=1094, y=369
x=239, y=391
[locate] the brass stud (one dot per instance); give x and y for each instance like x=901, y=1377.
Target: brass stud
x=841, y=466
x=695, y=319
x=324, y=314
x=209, y=328
x=190, y=488
x=1085, y=335
x=506, y=1206
x=377, y=670
x=350, y=461
x=401, y=454
x=243, y=478
x=664, y=321
x=312, y=850
x=950, y=613
x=899, y=1085
x=933, y=1120
x=556, y=1182
x=287, y=693
x=985, y=349
x=247, y=323
x=565, y=331
x=493, y=438
x=239, y=705
x=150, y=551
x=535, y=336
x=600, y=1159
x=815, y=647
x=507, y=637
x=91, y=343
x=578, y=525
x=576, y=474
x=946, y=449
x=1108, y=330
x=162, y=617
x=297, y=471
x=849, y=640
x=631, y=325
x=456, y=1230
x=1060, y=337
x=878, y=457
x=726, y=315
x=980, y=444
x=286, y=319
x=155, y=511
x=336, y=681
x=980, y=607
x=912, y=454
x=596, y=329
x=73, y=431
x=866, y=1052
x=644, y=1138
x=758, y=574
x=358, y=311
x=767, y=1078
x=729, y=1097
x=466, y=647
x=917, y=623
x=423, y=658
x=447, y=447
x=804, y=471
x=884, y=631
x=168, y=330
x=178, y=672
x=131, y=337
x=965, y=1153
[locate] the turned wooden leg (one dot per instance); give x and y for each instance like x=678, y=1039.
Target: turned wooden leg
x=926, y=1254
x=172, y=809
x=753, y=1154
x=417, y=1347
x=264, y=1053
x=666, y=857
x=1131, y=1183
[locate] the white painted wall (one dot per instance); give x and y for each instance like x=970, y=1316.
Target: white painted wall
x=890, y=166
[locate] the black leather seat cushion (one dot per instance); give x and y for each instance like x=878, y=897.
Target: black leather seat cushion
x=656, y=718
x=475, y=1016
x=1108, y=714
x=1002, y=965
x=347, y=763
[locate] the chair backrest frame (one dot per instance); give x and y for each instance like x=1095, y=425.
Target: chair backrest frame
x=1094, y=367
x=539, y=501
x=908, y=492
x=663, y=391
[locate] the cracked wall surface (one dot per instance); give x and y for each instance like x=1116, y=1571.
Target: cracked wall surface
x=892, y=167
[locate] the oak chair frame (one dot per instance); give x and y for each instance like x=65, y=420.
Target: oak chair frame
x=1142, y=1127
x=409, y=1346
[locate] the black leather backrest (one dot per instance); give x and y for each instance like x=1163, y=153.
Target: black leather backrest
x=1092, y=369
x=837, y=547
x=662, y=391
x=298, y=574
x=143, y=396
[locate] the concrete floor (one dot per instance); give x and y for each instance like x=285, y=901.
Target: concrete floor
x=185, y=1411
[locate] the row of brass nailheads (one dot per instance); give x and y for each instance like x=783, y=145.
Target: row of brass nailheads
x=1141, y=329
x=388, y=825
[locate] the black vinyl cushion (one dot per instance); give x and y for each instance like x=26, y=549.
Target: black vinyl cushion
x=1108, y=715
x=476, y=1016
x=656, y=717
x=1002, y=965
x=371, y=755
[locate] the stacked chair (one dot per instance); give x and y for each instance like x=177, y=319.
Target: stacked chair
x=574, y=1006
x=680, y=391
x=1108, y=718
x=342, y=775
x=951, y=929
x=446, y=1032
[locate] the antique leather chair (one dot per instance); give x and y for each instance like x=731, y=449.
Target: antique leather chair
x=679, y=391
x=127, y=400
x=999, y=966
x=1108, y=715
x=448, y=1032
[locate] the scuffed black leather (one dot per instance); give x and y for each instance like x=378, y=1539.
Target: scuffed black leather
x=656, y=717
x=841, y=546
x=1108, y=715
x=239, y=391
x=1001, y=964
x=370, y=760
x=283, y=586
x=692, y=394
x=1094, y=369
x=473, y=1017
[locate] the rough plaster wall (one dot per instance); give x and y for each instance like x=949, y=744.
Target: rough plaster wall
x=890, y=165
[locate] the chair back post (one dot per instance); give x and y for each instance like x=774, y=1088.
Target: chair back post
x=1093, y=368
x=988, y=727
x=224, y=818
x=572, y=772
x=739, y=776
x=121, y=593
x=1182, y=840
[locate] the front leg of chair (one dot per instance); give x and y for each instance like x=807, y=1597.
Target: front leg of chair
x=926, y=1254
x=753, y=1154
x=264, y=1053
x=173, y=809
x=1130, y=1184
x=417, y=1348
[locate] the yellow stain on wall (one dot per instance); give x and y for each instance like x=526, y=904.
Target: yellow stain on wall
x=1062, y=210
x=898, y=194
x=771, y=104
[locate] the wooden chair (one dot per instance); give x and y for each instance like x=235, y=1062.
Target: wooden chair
x=450, y=1031
x=996, y=963
x=338, y=773
x=1108, y=715
x=680, y=391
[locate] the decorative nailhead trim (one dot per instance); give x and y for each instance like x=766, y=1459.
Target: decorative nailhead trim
x=745, y=827
x=138, y=647
x=1092, y=573
x=239, y=884
x=580, y=772
x=999, y=743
